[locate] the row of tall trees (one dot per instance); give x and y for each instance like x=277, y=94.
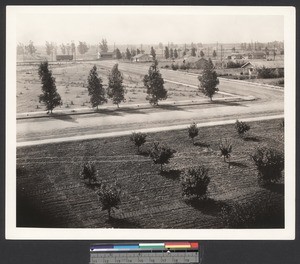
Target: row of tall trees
x=115, y=91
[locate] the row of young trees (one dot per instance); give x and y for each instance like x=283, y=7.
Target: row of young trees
x=268, y=161
x=195, y=180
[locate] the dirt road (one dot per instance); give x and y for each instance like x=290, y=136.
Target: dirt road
x=268, y=102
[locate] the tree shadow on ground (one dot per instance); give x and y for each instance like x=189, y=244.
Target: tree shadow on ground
x=122, y=223
x=238, y=164
x=251, y=138
x=62, y=117
x=93, y=185
x=228, y=103
x=202, y=145
x=207, y=206
x=106, y=112
x=171, y=174
x=172, y=108
x=129, y=110
x=144, y=153
x=276, y=188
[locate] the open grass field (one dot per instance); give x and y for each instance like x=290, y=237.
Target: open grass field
x=71, y=83
x=50, y=192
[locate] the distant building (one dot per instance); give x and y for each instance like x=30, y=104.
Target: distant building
x=260, y=55
x=236, y=56
x=64, y=57
x=197, y=62
x=252, y=67
x=142, y=58
x=106, y=55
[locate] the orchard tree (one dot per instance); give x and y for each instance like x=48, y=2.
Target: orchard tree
x=175, y=54
x=167, y=53
x=194, y=183
x=110, y=197
x=95, y=88
x=193, y=131
x=214, y=54
x=116, y=90
x=208, y=80
x=161, y=154
x=103, y=45
x=118, y=54
x=138, y=139
x=89, y=172
x=155, y=85
x=201, y=53
x=153, y=53
x=138, y=51
x=50, y=97
x=225, y=147
x=82, y=47
x=269, y=163
x=193, y=52
x=241, y=127
x=30, y=48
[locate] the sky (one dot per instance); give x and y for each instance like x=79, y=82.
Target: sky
x=147, y=27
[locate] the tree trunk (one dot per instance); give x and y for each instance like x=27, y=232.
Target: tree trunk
x=118, y=105
x=161, y=167
x=109, y=215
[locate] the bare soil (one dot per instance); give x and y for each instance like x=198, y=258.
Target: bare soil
x=50, y=192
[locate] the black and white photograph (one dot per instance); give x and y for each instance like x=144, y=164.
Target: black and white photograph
x=150, y=121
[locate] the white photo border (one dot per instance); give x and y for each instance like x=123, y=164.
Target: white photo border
x=287, y=233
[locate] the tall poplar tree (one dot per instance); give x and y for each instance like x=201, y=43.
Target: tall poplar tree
x=167, y=53
x=153, y=53
x=50, y=97
x=155, y=85
x=116, y=90
x=95, y=88
x=208, y=80
x=118, y=54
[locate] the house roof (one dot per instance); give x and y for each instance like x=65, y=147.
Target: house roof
x=258, y=53
x=266, y=64
x=141, y=55
x=107, y=53
x=192, y=59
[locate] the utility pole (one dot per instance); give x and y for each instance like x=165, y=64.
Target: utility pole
x=221, y=56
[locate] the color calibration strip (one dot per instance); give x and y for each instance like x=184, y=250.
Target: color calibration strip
x=145, y=246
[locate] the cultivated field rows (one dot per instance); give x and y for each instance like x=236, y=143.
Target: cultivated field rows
x=49, y=185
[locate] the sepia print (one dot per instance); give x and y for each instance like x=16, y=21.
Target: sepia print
x=151, y=118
